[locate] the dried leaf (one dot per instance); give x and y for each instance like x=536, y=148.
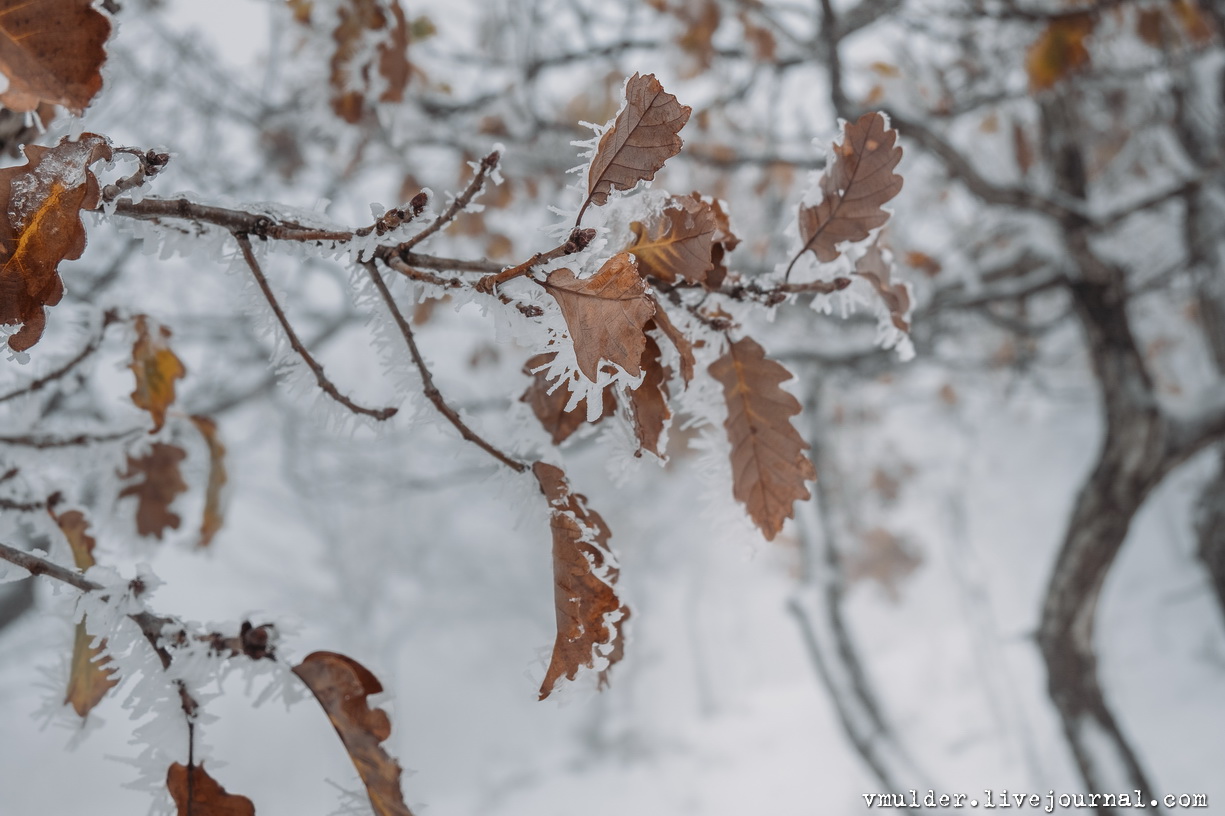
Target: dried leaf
x=873, y=268
x=768, y=462
x=683, y=346
x=40, y=225
x=52, y=51
x=855, y=188
x=161, y=483
x=589, y=613
x=214, y=513
x=641, y=139
x=700, y=20
x=923, y=262
x=1196, y=24
x=884, y=558
x=88, y=677
x=1022, y=150
x=1059, y=50
x=649, y=402
x=359, y=19
x=550, y=409
x=677, y=242
x=341, y=685
x=760, y=38
x=722, y=243
x=195, y=793
x=156, y=368
x=605, y=314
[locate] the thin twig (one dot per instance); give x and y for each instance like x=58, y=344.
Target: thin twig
x=111, y=316
x=579, y=240
x=486, y=167
x=427, y=380
x=44, y=442
x=329, y=388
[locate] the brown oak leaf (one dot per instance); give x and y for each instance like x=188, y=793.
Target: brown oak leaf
x=589, y=614
x=1059, y=50
x=358, y=20
x=156, y=368
x=195, y=793
x=161, y=483
x=854, y=188
x=648, y=402
x=89, y=679
x=684, y=347
x=769, y=467
x=342, y=686
x=873, y=268
x=40, y=225
x=641, y=139
x=214, y=512
x=550, y=409
x=52, y=51
x=605, y=314
x=677, y=242
x=722, y=242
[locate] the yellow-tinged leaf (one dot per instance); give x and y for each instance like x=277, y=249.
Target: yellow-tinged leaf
x=1059, y=50
x=40, y=226
x=88, y=676
x=214, y=512
x=677, y=242
x=156, y=368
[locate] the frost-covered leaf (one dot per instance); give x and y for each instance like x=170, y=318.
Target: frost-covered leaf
x=605, y=314
x=769, y=466
x=89, y=679
x=589, y=614
x=342, y=686
x=550, y=409
x=214, y=512
x=160, y=482
x=641, y=139
x=156, y=368
x=1059, y=50
x=40, y=225
x=677, y=242
x=684, y=347
x=195, y=793
x=649, y=402
x=873, y=268
x=52, y=52
x=854, y=188
x=387, y=25
x=722, y=242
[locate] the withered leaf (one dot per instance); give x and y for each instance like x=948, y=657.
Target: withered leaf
x=589, y=614
x=854, y=188
x=214, y=512
x=550, y=409
x=769, y=467
x=641, y=139
x=604, y=313
x=40, y=225
x=52, y=51
x=89, y=679
x=683, y=345
x=156, y=368
x=1059, y=50
x=195, y=793
x=360, y=19
x=649, y=402
x=884, y=558
x=873, y=268
x=722, y=243
x=342, y=685
x=160, y=483
x=677, y=242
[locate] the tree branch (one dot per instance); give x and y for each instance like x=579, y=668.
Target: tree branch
x=329, y=388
